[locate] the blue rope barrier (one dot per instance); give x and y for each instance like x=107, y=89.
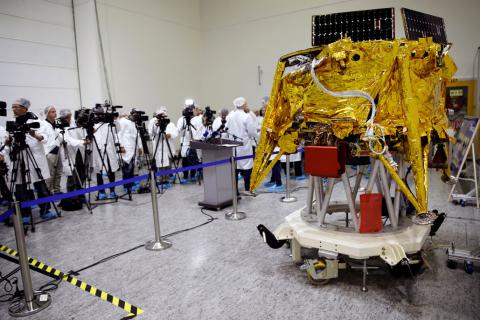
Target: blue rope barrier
x=4, y=216
x=57, y=197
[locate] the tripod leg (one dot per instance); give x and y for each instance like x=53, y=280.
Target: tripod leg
x=45, y=190
x=175, y=165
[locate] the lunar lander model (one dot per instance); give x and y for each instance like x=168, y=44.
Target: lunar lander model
x=361, y=97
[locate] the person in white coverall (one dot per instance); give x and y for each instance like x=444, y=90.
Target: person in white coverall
x=188, y=130
x=130, y=145
x=242, y=127
x=219, y=125
x=52, y=145
x=75, y=139
x=33, y=139
x=163, y=137
x=107, y=161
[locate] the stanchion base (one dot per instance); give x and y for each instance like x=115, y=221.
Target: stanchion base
x=20, y=308
x=288, y=200
x=235, y=215
x=158, y=245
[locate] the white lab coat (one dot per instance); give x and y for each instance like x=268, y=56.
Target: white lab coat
x=106, y=143
x=74, y=138
x=241, y=125
x=38, y=153
x=5, y=151
x=187, y=135
x=129, y=140
x=160, y=150
x=52, y=136
x=253, y=118
x=259, y=123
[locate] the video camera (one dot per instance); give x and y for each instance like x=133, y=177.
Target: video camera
x=18, y=130
x=20, y=124
x=138, y=116
x=105, y=113
x=162, y=121
x=208, y=116
x=85, y=118
x=101, y=113
x=188, y=112
x=61, y=123
x=3, y=109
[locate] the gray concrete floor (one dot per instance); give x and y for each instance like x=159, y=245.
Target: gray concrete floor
x=224, y=271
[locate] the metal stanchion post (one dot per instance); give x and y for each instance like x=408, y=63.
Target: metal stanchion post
x=234, y=214
x=288, y=198
x=34, y=301
x=365, y=272
x=157, y=244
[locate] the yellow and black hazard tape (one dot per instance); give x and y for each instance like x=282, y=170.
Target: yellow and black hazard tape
x=131, y=309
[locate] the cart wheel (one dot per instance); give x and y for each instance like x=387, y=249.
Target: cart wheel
x=451, y=264
x=468, y=267
x=455, y=202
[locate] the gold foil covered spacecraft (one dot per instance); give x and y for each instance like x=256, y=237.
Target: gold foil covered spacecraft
x=406, y=78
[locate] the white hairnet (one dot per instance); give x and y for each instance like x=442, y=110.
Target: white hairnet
x=265, y=99
x=22, y=102
x=239, y=102
x=161, y=110
x=47, y=109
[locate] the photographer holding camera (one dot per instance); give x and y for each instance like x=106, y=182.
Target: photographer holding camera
x=128, y=135
x=219, y=124
x=106, y=158
x=163, y=133
x=189, y=126
x=23, y=139
x=75, y=139
x=52, y=145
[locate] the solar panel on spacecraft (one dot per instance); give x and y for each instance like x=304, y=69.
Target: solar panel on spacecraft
x=420, y=25
x=377, y=24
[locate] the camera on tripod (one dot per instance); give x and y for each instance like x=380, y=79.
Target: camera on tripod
x=188, y=112
x=162, y=121
x=208, y=116
x=85, y=118
x=20, y=124
x=18, y=130
x=138, y=116
x=61, y=123
x=105, y=113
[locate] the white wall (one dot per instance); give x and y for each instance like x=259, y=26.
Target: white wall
x=37, y=55
x=240, y=35
x=152, y=52
x=160, y=52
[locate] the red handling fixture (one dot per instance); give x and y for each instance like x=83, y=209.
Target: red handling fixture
x=370, y=212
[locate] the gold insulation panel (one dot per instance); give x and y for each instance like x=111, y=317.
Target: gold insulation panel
x=404, y=77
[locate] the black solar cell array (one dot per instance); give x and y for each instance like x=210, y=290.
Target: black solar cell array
x=419, y=25
x=378, y=24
